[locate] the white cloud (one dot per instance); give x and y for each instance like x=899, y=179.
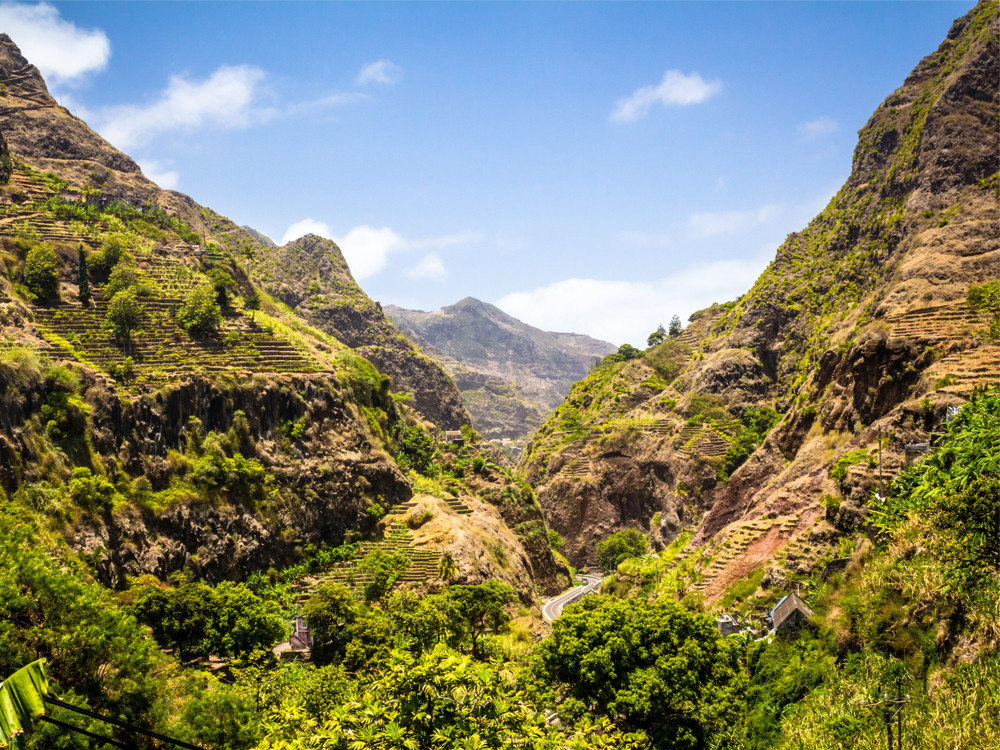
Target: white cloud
x=383, y=72
x=229, y=98
x=675, y=89
x=154, y=170
x=627, y=311
x=447, y=240
x=817, y=128
x=59, y=49
x=367, y=249
x=304, y=227
x=712, y=223
x=428, y=267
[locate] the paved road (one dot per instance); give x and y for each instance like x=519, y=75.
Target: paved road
x=554, y=608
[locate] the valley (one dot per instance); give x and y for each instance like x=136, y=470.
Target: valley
x=211, y=444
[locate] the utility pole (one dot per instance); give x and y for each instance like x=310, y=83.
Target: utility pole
x=888, y=709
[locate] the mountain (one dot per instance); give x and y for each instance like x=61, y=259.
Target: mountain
x=511, y=375
x=765, y=429
x=182, y=422
x=311, y=276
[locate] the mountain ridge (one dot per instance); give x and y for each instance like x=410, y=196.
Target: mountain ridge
x=511, y=374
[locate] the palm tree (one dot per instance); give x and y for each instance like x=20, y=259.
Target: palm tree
x=447, y=569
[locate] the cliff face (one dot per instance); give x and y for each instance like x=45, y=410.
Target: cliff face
x=858, y=329
x=511, y=375
x=311, y=276
x=215, y=453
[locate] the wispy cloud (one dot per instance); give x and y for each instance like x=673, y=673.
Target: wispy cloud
x=817, y=128
x=158, y=173
x=229, y=98
x=367, y=249
x=712, y=223
x=676, y=89
x=428, y=267
x=382, y=72
x=63, y=52
x=628, y=311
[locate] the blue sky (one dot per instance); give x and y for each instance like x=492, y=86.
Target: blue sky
x=590, y=167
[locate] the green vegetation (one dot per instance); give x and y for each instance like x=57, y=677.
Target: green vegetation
x=41, y=273
x=199, y=620
x=755, y=424
x=985, y=300
x=200, y=312
x=82, y=277
x=620, y=546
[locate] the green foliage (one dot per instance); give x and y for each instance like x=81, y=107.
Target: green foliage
x=620, y=546
x=198, y=619
x=94, y=494
x=675, y=326
x=416, y=450
x=756, y=424
x=381, y=570
x=858, y=456
x=656, y=667
x=957, y=489
x=200, y=312
x=657, y=336
x=124, y=315
x=625, y=353
x=480, y=609
x=330, y=612
x=41, y=273
x=90, y=644
x=223, y=284
x=82, y=277
x=705, y=407
x=985, y=300
x=252, y=302
x=125, y=275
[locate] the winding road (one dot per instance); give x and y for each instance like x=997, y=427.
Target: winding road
x=554, y=608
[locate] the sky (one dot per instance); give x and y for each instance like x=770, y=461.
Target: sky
x=594, y=167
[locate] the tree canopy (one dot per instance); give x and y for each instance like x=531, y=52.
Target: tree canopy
x=619, y=546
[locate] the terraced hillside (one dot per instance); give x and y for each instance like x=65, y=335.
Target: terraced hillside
x=859, y=337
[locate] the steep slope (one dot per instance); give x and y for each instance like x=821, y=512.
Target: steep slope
x=511, y=375
x=858, y=333
x=162, y=441
x=311, y=276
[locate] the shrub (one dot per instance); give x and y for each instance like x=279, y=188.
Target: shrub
x=124, y=314
x=200, y=312
x=620, y=546
x=41, y=274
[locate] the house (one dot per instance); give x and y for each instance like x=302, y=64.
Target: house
x=454, y=437
x=790, y=614
x=727, y=624
x=301, y=638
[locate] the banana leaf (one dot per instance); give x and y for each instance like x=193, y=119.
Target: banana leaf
x=21, y=701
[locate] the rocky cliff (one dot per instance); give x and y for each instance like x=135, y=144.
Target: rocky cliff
x=511, y=375
x=857, y=336
x=221, y=451
x=311, y=276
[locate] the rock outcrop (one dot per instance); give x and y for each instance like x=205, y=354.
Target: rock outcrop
x=858, y=334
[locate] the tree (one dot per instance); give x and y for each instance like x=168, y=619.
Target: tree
x=330, y=611
x=124, y=276
x=252, y=303
x=200, y=312
x=985, y=300
x=675, y=327
x=447, y=569
x=382, y=571
x=655, y=667
x=124, y=315
x=657, y=336
x=82, y=277
x=41, y=273
x=222, y=283
x=479, y=609
x=619, y=546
